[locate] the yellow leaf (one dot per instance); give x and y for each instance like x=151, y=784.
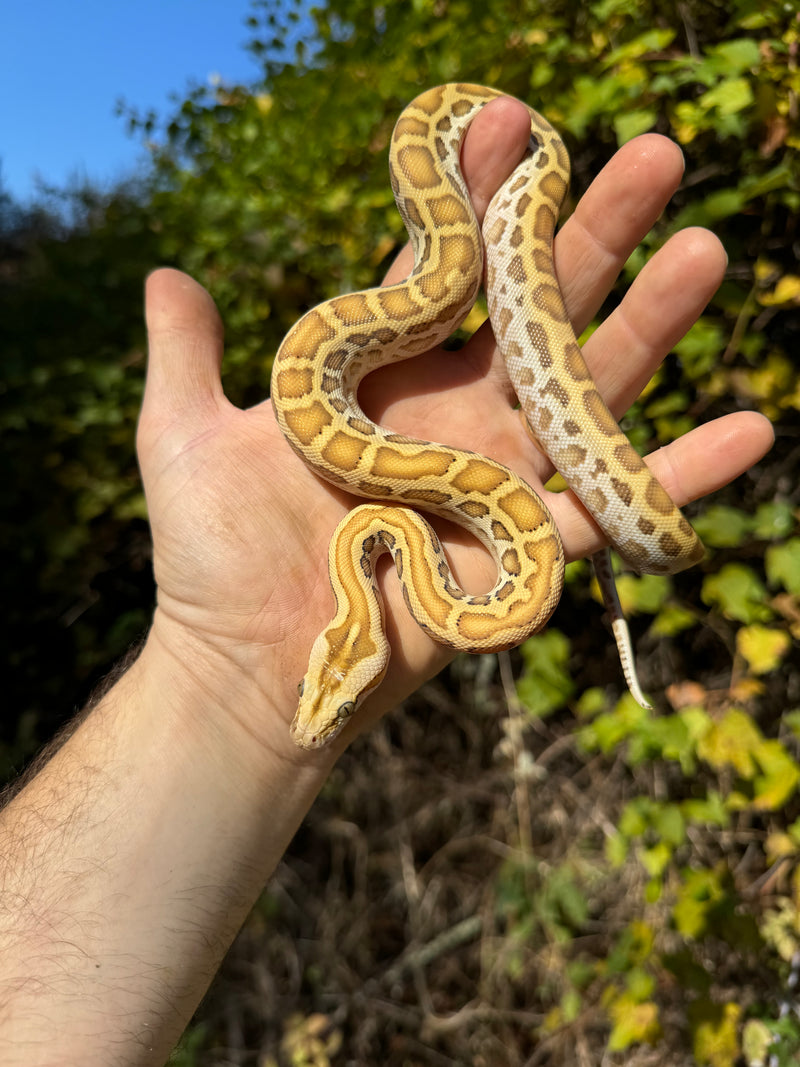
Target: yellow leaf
x=714, y=1033
x=787, y=291
x=732, y=740
x=762, y=647
x=633, y=1023
x=756, y=1040
x=778, y=845
x=780, y=777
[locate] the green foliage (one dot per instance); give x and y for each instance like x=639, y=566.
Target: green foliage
x=275, y=196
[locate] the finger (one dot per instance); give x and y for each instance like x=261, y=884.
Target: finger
x=611, y=218
x=185, y=341
x=495, y=143
x=666, y=298
x=700, y=462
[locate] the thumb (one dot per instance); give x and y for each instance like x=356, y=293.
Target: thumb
x=183, y=390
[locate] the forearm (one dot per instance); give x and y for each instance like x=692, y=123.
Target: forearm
x=129, y=863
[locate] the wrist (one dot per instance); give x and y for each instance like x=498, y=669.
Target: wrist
x=228, y=700
x=136, y=852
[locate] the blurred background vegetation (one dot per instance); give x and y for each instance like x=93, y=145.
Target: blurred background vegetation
x=546, y=874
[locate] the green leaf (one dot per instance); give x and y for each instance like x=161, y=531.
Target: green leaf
x=773, y=519
x=546, y=683
x=698, y=894
x=721, y=526
x=701, y=347
x=672, y=619
x=711, y=809
x=738, y=593
x=773, y=788
x=736, y=56
x=632, y=123
x=782, y=564
x=729, y=97
x=645, y=594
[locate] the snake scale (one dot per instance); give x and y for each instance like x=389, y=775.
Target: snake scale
x=324, y=357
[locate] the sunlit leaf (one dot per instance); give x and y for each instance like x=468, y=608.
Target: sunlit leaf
x=632, y=1023
x=732, y=741
x=738, y=592
x=762, y=647
x=715, y=1033
x=782, y=564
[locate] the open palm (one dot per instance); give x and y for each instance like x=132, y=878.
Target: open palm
x=241, y=526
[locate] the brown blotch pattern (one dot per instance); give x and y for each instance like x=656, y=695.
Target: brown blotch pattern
x=554, y=186
x=538, y=338
x=556, y=390
x=360, y=425
x=599, y=413
x=448, y=210
x=544, y=223
x=419, y=166
x=510, y=561
x=410, y=126
x=548, y=299
x=628, y=458
x=522, y=205
x=669, y=545
x=575, y=363
x=658, y=498
x=623, y=491
x=516, y=269
x=474, y=508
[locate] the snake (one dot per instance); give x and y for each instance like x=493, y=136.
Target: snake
x=327, y=353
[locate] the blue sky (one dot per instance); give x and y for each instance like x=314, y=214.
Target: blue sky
x=65, y=63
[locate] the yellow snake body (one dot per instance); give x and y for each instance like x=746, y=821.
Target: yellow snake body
x=328, y=352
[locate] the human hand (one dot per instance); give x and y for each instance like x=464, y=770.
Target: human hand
x=241, y=526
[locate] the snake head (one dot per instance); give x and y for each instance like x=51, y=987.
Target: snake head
x=324, y=708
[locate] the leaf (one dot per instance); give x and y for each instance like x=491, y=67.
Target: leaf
x=632, y=1023
x=729, y=97
x=732, y=741
x=738, y=593
x=756, y=1040
x=721, y=526
x=715, y=1033
x=546, y=683
x=700, y=348
x=632, y=123
x=763, y=648
x=645, y=594
x=782, y=564
x=673, y=619
x=656, y=858
x=773, y=519
x=786, y=291
x=780, y=777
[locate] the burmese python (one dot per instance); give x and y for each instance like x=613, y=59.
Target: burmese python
x=323, y=358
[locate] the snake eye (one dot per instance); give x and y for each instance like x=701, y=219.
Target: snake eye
x=346, y=710
x=301, y=687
